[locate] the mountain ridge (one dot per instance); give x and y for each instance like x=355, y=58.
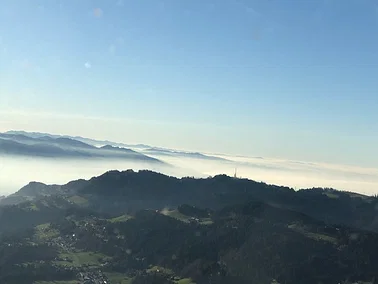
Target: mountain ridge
x=117, y=190
x=142, y=148
x=61, y=238
x=62, y=147
x=78, y=138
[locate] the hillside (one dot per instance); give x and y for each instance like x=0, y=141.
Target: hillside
x=115, y=190
x=249, y=243
x=145, y=227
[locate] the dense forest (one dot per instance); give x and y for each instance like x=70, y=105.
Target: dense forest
x=145, y=227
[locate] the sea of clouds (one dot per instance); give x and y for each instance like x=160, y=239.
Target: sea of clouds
x=16, y=172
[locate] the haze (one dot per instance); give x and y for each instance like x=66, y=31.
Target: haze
x=16, y=172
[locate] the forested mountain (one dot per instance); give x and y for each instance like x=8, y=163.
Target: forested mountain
x=146, y=227
x=115, y=190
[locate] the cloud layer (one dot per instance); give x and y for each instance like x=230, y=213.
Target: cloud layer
x=16, y=172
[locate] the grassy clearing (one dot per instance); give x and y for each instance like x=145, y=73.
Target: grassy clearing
x=33, y=207
x=77, y=259
x=185, y=281
x=78, y=200
x=122, y=218
x=184, y=218
x=44, y=232
x=206, y=221
x=312, y=235
x=332, y=195
x=177, y=215
x=118, y=278
x=169, y=273
x=160, y=269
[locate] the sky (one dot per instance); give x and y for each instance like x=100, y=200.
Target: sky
x=284, y=79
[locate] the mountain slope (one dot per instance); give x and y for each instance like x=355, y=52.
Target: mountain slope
x=58, y=141
x=9, y=147
x=117, y=191
x=250, y=242
x=61, y=147
x=146, y=187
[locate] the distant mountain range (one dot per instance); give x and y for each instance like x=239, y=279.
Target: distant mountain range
x=41, y=145
x=49, y=145
x=90, y=141
x=166, y=152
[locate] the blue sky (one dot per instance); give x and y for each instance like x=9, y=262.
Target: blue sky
x=287, y=79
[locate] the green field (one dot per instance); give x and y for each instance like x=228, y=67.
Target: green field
x=44, y=232
x=312, y=235
x=118, y=278
x=78, y=200
x=184, y=218
x=185, y=281
x=77, y=259
x=160, y=269
x=331, y=195
x=122, y=218
x=33, y=207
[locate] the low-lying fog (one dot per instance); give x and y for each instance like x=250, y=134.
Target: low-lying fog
x=16, y=172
